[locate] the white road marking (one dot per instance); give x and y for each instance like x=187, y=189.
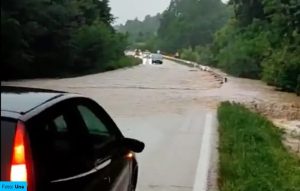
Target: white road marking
x=200, y=183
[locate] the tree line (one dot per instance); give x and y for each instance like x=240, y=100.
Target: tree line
x=140, y=31
x=190, y=23
x=46, y=38
x=141, y=34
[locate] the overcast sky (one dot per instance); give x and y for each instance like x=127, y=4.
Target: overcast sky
x=130, y=9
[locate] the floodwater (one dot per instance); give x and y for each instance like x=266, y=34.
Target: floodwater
x=165, y=105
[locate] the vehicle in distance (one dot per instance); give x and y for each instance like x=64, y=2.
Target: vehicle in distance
x=157, y=58
x=62, y=141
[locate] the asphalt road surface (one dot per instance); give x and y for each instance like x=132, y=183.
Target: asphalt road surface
x=167, y=106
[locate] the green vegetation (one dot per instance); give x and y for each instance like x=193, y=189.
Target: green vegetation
x=261, y=41
x=45, y=38
x=252, y=156
x=190, y=23
x=189, y=54
x=140, y=33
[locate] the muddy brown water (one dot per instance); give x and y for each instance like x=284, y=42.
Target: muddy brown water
x=171, y=86
x=144, y=95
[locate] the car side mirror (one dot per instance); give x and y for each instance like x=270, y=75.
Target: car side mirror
x=133, y=144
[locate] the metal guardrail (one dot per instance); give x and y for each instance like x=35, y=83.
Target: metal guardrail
x=185, y=62
x=219, y=76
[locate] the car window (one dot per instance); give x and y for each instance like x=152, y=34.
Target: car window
x=59, y=135
x=57, y=146
x=99, y=132
x=92, y=122
x=60, y=124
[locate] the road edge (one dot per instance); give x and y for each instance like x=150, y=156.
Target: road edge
x=205, y=166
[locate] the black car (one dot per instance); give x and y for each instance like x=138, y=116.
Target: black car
x=61, y=141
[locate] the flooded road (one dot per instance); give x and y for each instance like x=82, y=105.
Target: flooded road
x=166, y=106
x=160, y=105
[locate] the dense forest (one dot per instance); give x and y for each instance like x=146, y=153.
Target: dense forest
x=140, y=31
x=190, y=23
x=257, y=39
x=45, y=38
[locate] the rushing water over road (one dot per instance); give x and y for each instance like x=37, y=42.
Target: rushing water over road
x=166, y=106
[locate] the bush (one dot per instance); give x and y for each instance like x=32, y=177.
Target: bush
x=282, y=69
x=206, y=56
x=242, y=57
x=189, y=54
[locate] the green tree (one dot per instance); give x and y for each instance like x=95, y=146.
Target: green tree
x=95, y=46
x=190, y=23
x=39, y=36
x=141, y=31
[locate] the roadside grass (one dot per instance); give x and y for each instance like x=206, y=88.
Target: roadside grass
x=252, y=156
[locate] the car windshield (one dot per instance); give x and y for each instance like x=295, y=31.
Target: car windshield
x=212, y=87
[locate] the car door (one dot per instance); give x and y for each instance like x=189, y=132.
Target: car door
x=109, y=156
x=62, y=155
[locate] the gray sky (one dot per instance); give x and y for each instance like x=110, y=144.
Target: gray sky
x=130, y=9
